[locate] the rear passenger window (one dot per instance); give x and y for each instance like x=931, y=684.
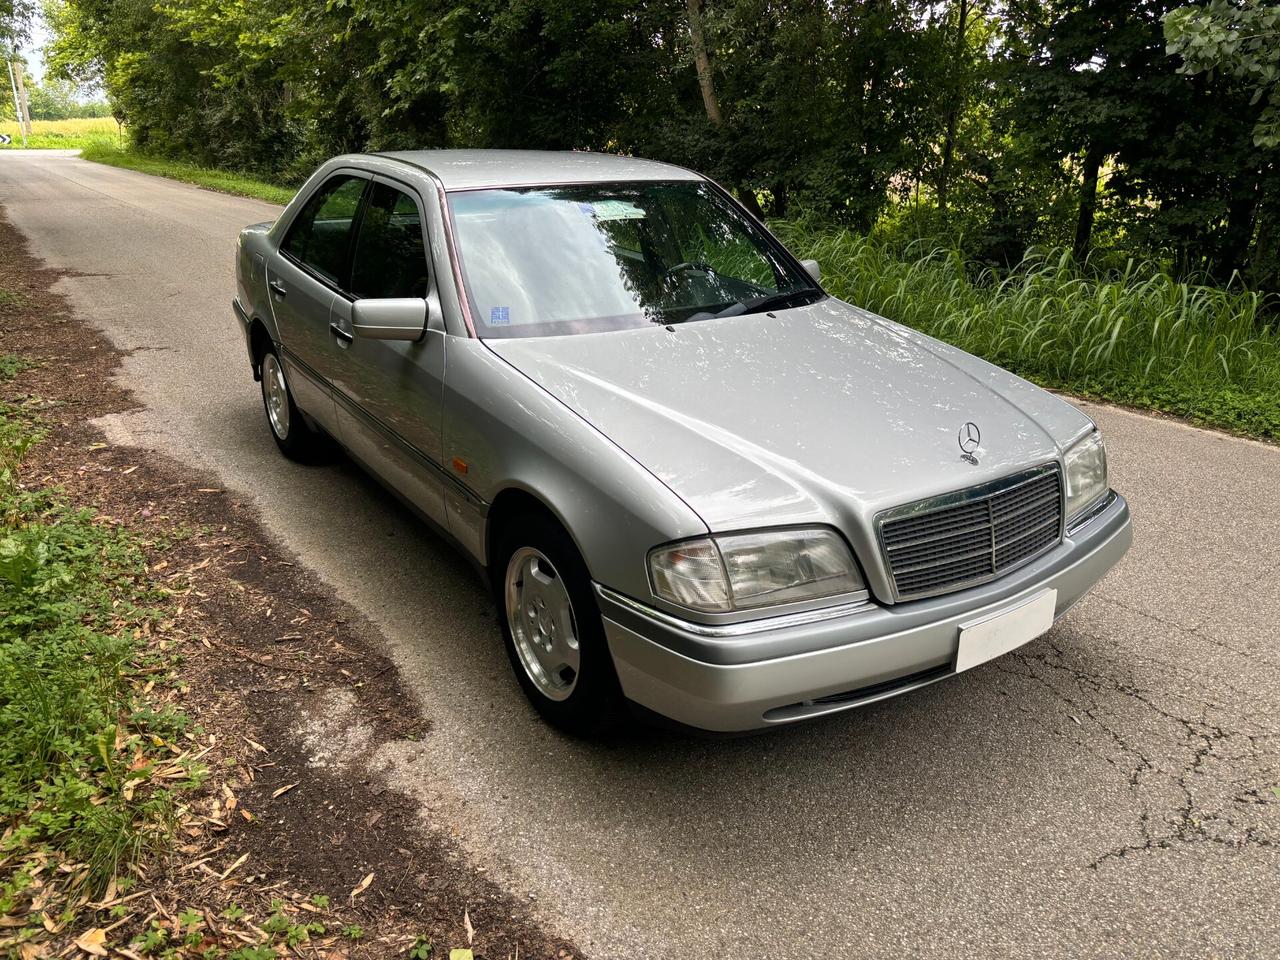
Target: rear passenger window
x=390, y=259
x=320, y=235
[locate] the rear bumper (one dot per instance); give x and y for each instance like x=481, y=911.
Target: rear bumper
x=761, y=674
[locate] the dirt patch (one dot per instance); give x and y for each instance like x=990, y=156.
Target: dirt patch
x=292, y=687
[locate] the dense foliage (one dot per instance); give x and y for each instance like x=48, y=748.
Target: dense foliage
x=1241, y=40
x=1052, y=122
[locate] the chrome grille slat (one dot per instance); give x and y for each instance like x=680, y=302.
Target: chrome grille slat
x=916, y=568
x=972, y=536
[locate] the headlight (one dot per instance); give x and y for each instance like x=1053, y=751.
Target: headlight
x=744, y=571
x=1086, y=465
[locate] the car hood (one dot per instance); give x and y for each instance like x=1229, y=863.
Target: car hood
x=820, y=414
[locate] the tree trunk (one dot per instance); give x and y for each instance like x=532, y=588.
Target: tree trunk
x=702, y=61
x=954, y=108
x=1088, y=202
x=1234, y=248
x=779, y=200
x=748, y=198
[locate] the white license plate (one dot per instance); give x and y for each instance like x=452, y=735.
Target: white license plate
x=988, y=638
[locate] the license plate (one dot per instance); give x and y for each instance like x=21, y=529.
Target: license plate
x=985, y=639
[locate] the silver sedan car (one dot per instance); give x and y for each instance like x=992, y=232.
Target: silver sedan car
x=697, y=483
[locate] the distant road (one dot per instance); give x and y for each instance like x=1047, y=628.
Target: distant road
x=1108, y=792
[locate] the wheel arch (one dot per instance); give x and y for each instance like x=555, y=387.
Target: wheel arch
x=513, y=502
x=260, y=341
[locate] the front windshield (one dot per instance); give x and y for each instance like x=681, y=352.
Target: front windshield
x=584, y=258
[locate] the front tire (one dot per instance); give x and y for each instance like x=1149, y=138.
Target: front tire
x=293, y=435
x=552, y=628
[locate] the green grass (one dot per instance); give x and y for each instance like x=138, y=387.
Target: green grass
x=88, y=770
x=224, y=181
x=1139, y=338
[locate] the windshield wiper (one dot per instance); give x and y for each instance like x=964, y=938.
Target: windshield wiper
x=772, y=301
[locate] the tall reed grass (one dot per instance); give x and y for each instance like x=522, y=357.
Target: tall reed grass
x=1139, y=337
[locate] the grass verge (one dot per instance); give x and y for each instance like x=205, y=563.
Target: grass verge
x=223, y=181
x=90, y=767
x=1140, y=338
x=99, y=776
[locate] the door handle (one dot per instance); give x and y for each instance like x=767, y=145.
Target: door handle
x=277, y=288
x=341, y=334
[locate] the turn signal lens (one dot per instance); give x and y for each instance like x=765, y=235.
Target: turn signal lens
x=691, y=575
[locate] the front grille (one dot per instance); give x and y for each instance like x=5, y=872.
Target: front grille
x=966, y=538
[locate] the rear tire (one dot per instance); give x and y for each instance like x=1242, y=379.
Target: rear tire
x=289, y=427
x=552, y=628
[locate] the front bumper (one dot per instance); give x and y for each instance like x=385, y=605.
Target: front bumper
x=764, y=673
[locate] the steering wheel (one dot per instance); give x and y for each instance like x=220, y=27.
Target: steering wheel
x=685, y=266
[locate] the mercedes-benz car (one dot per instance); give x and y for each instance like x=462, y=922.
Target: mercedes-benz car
x=695, y=481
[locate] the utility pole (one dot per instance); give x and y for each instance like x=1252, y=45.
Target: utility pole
x=17, y=109
x=22, y=94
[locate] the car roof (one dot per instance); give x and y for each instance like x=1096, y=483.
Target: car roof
x=469, y=169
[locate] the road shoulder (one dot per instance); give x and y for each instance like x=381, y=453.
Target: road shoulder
x=286, y=684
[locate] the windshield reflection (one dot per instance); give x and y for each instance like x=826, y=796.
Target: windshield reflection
x=587, y=258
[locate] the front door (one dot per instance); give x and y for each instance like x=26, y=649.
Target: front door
x=303, y=279
x=389, y=392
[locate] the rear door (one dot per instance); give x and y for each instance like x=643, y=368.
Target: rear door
x=389, y=392
x=304, y=276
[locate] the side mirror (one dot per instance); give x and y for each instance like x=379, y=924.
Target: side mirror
x=393, y=319
x=811, y=267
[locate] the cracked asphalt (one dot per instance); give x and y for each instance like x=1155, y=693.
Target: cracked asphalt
x=1112, y=789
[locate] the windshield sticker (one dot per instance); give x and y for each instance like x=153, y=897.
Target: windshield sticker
x=612, y=210
x=499, y=316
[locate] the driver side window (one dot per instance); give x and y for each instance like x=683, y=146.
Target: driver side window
x=321, y=234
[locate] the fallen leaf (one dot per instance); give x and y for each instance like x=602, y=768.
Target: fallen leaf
x=466, y=925
x=361, y=887
x=283, y=790
x=91, y=941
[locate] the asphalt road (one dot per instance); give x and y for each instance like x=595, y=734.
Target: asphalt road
x=1109, y=791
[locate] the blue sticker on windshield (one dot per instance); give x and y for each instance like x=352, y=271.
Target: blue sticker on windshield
x=499, y=315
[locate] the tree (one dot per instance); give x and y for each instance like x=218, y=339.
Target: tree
x=15, y=18
x=1240, y=40
x=61, y=100
x=1095, y=82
